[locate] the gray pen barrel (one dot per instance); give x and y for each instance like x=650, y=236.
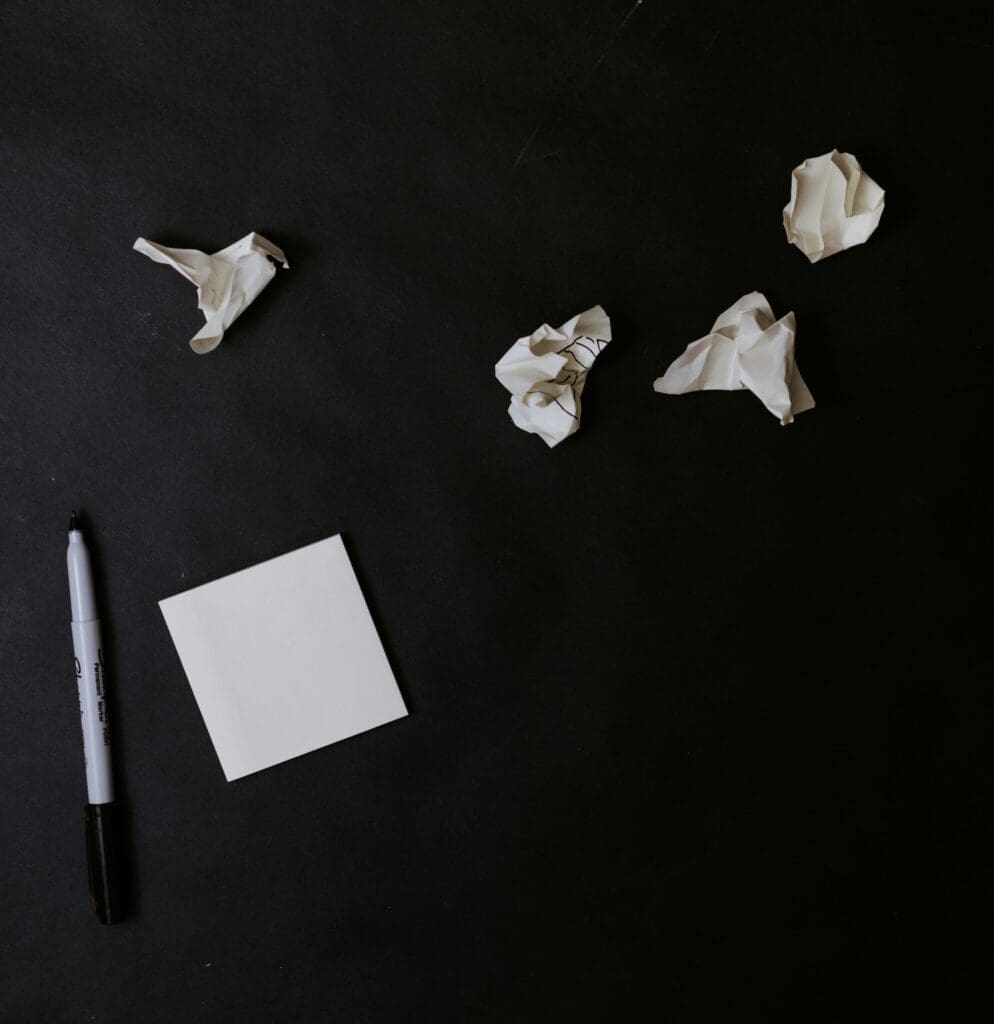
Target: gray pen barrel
x=81, y=595
x=93, y=711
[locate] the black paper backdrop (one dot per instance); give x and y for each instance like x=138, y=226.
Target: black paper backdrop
x=695, y=703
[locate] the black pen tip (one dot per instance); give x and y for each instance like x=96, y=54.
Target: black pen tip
x=73, y=522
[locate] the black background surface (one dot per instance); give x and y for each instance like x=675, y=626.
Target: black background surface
x=697, y=716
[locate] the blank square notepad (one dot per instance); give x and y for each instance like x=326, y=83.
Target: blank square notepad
x=283, y=658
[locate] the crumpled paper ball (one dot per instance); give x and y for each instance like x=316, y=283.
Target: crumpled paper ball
x=546, y=373
x=833, y=205
x=748, y=348
x=227, y=281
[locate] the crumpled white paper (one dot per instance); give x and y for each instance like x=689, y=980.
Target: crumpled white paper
x=833, y=205
x=748, y=348
x=227, y=281
x=546, y=373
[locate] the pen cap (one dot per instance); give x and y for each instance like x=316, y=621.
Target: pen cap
x=103, y=862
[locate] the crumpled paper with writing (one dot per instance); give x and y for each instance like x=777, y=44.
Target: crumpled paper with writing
x=748, y=348
x=833, y=205
x=227, y=281
x=546, y=373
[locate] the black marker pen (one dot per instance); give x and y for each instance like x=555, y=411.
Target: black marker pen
x=101, y=845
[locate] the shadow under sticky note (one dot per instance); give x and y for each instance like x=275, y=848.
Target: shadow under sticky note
x=283, y=658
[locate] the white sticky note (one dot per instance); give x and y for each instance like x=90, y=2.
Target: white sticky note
x=283, y=658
